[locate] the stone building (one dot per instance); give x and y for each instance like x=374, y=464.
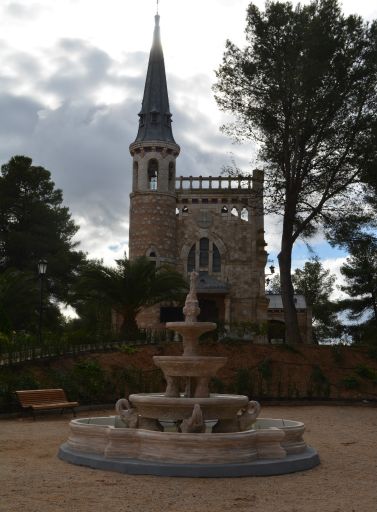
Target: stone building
x=276, y=326
x=211, y=224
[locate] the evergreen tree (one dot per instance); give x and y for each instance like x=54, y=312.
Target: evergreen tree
x=317, y=284
x=305, y=88
x=360, y=272
x=35, y=225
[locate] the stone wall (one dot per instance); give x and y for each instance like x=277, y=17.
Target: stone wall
x=153, y=225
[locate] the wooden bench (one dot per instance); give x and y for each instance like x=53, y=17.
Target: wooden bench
x=44, y=400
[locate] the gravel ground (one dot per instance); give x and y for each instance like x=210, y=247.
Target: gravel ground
x=33, y=479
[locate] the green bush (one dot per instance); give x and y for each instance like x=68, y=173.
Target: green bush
x=127, y=349
x=265, y=368
x=318, y=385
x=244, y=382
x=365, y=372
x=217, y=385
x=11, y=381
x=351, y=383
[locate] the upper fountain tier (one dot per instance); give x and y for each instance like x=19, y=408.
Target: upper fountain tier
x=197, y=370
x=191, y=329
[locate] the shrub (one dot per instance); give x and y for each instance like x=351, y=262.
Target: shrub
x=365, y=372
x=318, y=385
x=244, y=382
x=351, y=383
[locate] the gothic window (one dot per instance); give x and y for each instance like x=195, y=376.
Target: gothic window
x=141, y=119
x=191, y=259
x=203, y=252
x=224, y=210
x=204, y=256
x=168, y=119
x=216, y=259
x=152, y=173
x=234, y=211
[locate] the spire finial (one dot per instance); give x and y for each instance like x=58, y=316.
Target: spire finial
x=157, y=8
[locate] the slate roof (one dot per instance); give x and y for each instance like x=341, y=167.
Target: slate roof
x=155, y=116
x=209, y=284
x=276, y=301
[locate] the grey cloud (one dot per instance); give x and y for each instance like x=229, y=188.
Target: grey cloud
x=19, y=117
x=80, y=69
x=21, y=11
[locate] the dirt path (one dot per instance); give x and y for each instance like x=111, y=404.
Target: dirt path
x=32, y=479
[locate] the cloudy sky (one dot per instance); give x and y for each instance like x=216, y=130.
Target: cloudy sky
x=71, y=82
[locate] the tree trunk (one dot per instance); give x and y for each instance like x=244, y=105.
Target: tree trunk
x=129, y=328
x=292, y=333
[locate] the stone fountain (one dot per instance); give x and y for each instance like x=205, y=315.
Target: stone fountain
x=188, y=431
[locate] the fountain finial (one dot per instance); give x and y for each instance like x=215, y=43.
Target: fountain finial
x=191, y=309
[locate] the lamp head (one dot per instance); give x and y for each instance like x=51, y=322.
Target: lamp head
x=42, y=267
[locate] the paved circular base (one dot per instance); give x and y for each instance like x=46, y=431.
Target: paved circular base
x=299, y=462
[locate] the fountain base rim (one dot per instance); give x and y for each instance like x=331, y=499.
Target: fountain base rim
x=308, y=459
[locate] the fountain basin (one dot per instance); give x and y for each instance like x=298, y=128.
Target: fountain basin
x=293, y=441
x=158, y=406
x=97, y=443
x=189, y=366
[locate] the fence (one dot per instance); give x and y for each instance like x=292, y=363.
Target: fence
x=30, y=350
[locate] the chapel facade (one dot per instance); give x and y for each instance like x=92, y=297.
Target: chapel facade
x=211, y=224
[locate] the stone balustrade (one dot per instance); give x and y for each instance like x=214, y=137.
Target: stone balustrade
x=188, y=183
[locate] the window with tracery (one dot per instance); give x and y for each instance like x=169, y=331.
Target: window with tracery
x=204, y=256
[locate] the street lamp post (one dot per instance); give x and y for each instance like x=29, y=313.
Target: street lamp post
x=42, y=267
x=272, y=272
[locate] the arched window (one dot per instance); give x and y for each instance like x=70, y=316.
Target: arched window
x=203, y=252
x=204, y=256
x=171, y=177
x=152, y=173
x=171, y=170
x=135, y=175
x=191, y=259
x=153, y=256
x=234, y=211
x=245, y=214
x=216, y=259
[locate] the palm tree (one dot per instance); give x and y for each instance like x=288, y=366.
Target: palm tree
x=128, y=287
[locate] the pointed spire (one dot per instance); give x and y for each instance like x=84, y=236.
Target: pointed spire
x=155, y=116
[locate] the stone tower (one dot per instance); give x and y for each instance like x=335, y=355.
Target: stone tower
x=154, y=151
